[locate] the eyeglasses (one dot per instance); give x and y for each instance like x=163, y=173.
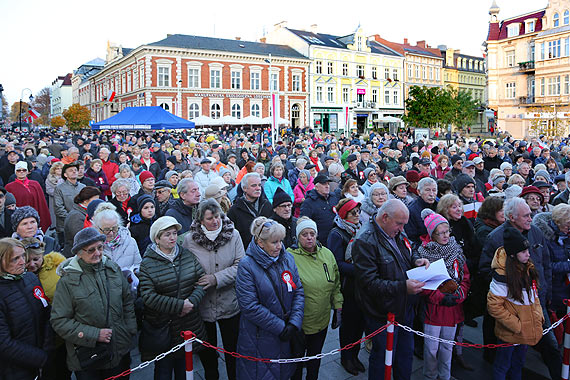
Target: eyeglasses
x=21, y=170
x=285, y=205
x=108, y=230
x=443, y=233
x=533, y=198
x=92, y=250
x=354, y=212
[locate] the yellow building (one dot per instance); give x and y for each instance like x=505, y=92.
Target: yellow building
x=355, y=82
x=529, y=68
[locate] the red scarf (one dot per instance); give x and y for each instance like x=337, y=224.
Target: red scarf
x=25, y=182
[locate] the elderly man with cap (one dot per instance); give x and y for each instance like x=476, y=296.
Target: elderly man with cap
x=563, y=197
x=205, y=175
x=544, y=189
x=352, y=170
x=29, y=193
x=424, y=164
x=481, y=173
x=9, y=162
x=282, y=214
x=456, y=168
x=63, y=196
x=163, y=196
x=319, y=205
x=232, y=165
x=469, y=169
x=364, y=160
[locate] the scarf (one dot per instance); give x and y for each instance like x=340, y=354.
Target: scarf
x=113, y=244
x=38, y=235
x=169, y=256
x=11, y=277
x=25, y=182
x=347, y=226
x=368, y=207
x=211, y=235
x=223, y=236
x=451, y=253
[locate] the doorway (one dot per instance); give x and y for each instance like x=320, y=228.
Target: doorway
x=361, y=121
x=295, y=116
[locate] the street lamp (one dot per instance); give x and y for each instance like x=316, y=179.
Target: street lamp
x=1, y=101
x=21, y=96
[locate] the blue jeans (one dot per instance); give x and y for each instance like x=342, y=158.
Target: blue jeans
x=509, y=362
x=403, y=353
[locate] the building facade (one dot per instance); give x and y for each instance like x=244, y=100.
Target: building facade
x=529, y=69
x=60, y=95
x=355, y=83
x=192, y=76
x=81, y=91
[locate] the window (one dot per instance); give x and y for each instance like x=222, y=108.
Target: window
x=510, y=56
x=193, y=111
x=330, y=94
x=296, y=82
x=542, y=51
x=360, y=71
x=163, y=77
x=254, y=80
x=236, y=80
x=274, y=82
x=215, y=78
x=165, y=106
x=345, y=69
x=255, y=110
x=194, y=77
x=345, y=95
x=409, y=70
x=386, y=73
x=556, y=19
x=431, y=73
x=437, y=74
x=329, y=67
x=513, y=30
x=554, y=86
x=319, y=94
x=359, y=43
x=215, y=111
x=554, y=49
x=530, y=26
x=542, y=85
x=319, y=67
x=387, y=97
x=395, y=74
x=417, y=70
x=396, y=97
x=424, y=72
x=374, y=74
x=236, y=111
x=375, y=95
x=566, y=17
x=510, y=90
x=566, y=47
x=129, y=82
x=566, y=84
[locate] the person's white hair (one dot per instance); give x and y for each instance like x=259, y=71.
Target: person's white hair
x=511, y=207
x=106, y=211
x=424, y=182
x=184, y=185
x=245, y=180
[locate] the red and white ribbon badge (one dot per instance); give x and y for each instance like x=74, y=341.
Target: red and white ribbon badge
x=39, y=294
x=456, y=268
x=288, y=279
x=534, y=289
x=408, y=245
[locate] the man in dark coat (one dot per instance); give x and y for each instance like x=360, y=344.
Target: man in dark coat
x=563, y=196
x=5, y=216
x=427, y=190
x=352, y=170
x=184, y=208
x=382, y=255
x=282, y=207
x=249, y=206
x=318, y=206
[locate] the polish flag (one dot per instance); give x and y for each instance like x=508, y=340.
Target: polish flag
x=29, y=119
x=111, y=96
x=33, y=113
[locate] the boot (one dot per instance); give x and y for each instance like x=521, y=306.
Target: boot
x=349, y=367
x=359, y=366
x=461, y=361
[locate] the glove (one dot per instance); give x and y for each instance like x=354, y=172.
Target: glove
x=336, y=321
x=449, y=300
x=287, y=332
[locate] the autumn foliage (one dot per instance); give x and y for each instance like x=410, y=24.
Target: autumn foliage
x=77, y=117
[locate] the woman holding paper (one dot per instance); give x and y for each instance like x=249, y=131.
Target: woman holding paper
x=444, y=309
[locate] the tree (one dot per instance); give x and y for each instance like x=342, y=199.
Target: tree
x=4, y=108
x=42, y=104
x=429, y=107
x=545, y=120
x=77, y=117
x=465, y=109
x=57, y=121
x=15, y=111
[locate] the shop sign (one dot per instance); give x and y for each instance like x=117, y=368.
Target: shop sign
x=361, y=91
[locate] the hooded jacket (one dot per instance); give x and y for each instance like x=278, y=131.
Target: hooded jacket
x=515, y=322
x=79, y=308
x=273, y=183
x=126, y=252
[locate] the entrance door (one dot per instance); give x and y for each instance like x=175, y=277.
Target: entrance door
x=295, y=116
x=361, y=124
x=325, y=123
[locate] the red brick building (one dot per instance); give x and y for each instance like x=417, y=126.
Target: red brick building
x=192, y=76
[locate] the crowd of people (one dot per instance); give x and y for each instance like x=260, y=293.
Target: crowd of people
x=112, y=240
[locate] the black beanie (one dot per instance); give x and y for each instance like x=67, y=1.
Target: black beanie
x=280, y=196
x=144, y=199
x=514, y=241
x=461, y=181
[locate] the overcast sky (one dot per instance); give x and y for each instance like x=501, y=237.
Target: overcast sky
x=40, y=39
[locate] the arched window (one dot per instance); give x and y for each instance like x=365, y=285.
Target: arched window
x=566, y=17
x=215, y=111
x=255, y=110
x=193, y=111
x=556, y=19
x=236, y=111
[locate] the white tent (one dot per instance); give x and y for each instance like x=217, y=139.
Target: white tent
x=205, y=121
x=252, y=120
x=229, y=120
x=280, y=121
x=387, y=119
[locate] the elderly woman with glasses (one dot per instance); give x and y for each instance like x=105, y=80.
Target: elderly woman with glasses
x=121, y=190
x=377, y=195
x=271, y=300
x=93, y=310
x=119, y=245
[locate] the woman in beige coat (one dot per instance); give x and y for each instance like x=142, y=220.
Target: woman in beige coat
x=218, y=247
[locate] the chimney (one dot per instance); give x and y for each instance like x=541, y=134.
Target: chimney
x=262, y=40
x=421, y=43
x=238, y=38
x=314, y=28
x=405, y=41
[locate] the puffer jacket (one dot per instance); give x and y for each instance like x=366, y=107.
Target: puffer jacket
x=559, y=245
x=219, y=258
x=514, y=322
x=539, y=254
x=163, y=301
x=273, y=183
x=320, y=210
x=24, y=329
x=79, y=308
x=262, y=318
x=126, y=253
x=321, y=283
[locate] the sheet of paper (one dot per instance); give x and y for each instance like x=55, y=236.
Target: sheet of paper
x=434, y=276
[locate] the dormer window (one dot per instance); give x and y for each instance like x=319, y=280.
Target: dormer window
x=530, y=26
x=556, y=19
x=513, y=30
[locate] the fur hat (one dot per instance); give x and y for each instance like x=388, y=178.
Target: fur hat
x=432, y=220
x=145, y=174
x=86, y=237
x=512, y=191
x=280, y=197
x=22, y=213
x=513, y=241
x=162, y=224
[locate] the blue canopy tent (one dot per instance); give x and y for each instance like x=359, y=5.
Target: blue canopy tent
x=143, y=118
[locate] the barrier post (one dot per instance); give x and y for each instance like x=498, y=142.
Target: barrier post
x=389, y=347
x=188, y=335
x=566, y=357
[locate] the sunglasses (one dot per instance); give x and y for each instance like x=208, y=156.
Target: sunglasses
x=266, y=224
x=92, y=250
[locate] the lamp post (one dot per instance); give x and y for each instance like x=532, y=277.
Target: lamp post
x=1, y=101
x=21, y=96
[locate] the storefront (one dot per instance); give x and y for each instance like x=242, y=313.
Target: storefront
x=326, y=119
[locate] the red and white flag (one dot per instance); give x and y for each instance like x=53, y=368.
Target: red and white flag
x=33, y=113
x=111, y=96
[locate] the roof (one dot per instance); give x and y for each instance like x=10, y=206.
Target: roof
x=340, y=42
x=95, y=62
x=407, y=48
x=219, y=44
x=499, y=31
x=459, y=55
x=143, y=118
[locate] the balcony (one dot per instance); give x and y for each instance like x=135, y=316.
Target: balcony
x=526, y=99
x=526, y=67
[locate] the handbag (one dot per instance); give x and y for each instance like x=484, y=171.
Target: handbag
x=156, y=338
x=100, y=355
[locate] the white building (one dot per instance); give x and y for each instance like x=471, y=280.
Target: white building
x=61, y=95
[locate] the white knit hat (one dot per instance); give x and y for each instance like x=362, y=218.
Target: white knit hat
x=21, y=165
x=162, y=224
